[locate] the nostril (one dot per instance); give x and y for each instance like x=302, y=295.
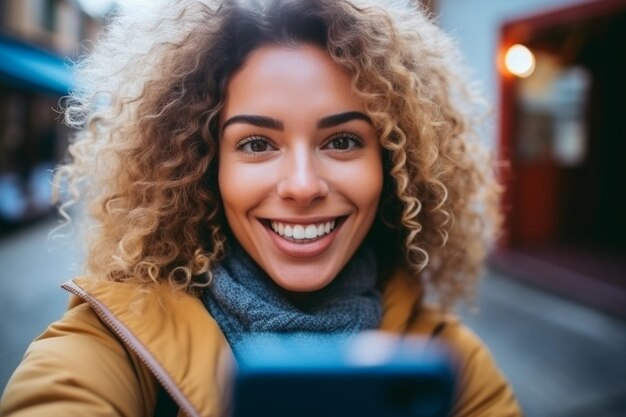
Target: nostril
x=302, y=191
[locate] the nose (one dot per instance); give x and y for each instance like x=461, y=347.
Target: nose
x=301, y=180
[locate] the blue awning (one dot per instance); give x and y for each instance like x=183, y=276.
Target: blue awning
x=27, y=67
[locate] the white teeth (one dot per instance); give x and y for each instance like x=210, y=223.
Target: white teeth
x=301, y=231
x=310, y=232
x=298, y=232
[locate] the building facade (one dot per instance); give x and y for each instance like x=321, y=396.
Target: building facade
x=38, y=41
x=560, y=131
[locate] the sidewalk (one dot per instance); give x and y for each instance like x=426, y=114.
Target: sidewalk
x=563, y=359
x=33, y=268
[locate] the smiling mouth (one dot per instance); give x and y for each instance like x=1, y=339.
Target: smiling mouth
x=304, y=233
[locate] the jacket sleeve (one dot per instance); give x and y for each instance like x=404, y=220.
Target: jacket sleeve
x=482, y=390
x=78, y=367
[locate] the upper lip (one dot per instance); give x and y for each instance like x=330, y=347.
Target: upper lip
x=303, y=220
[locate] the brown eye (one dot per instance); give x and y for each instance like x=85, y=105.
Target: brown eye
x=344, y=142
x=340, y=143
x=255, y=145
x=258, y=146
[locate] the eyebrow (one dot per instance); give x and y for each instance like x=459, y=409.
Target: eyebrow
x=340, y=118
x=271, y=123
x=260, y=121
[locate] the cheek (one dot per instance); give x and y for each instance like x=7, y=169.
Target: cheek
x=227, y=184
x=366, y=184
x=242, y=186
x=234, y=187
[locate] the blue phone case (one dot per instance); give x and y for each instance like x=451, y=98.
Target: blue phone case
x=367, y=375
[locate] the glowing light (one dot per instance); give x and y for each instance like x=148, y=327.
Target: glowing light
x=519, y=61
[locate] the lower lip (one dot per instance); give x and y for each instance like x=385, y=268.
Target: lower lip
x=303, y=250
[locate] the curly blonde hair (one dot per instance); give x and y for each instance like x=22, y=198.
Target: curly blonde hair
x=146, y=105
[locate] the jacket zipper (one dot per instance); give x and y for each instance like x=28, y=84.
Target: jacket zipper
x=136, y=346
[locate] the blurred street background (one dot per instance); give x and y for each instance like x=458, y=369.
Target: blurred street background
x=552, y=306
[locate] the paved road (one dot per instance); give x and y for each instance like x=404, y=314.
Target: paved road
x=562, y=359
x=32, y=268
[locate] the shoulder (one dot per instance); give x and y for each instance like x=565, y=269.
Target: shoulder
x=78, y=365
x=482, y=389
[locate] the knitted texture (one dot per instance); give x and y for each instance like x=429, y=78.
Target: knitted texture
x=243, y=298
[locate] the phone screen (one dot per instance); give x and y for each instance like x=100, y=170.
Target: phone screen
x=370, y=374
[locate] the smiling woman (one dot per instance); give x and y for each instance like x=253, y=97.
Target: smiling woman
x=263, y=166
x=304, y=162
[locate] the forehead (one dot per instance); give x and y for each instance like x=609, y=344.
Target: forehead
x=277, y=79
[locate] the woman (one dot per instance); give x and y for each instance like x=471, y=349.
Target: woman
x=279, y=166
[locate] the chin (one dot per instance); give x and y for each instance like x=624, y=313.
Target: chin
x=305, y=282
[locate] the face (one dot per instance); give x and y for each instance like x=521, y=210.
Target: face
x=300, y=170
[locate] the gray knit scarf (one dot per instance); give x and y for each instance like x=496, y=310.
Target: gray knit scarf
x=243, y=299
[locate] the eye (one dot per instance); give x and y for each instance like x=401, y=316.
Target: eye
x=255, y=144
x=344, y=142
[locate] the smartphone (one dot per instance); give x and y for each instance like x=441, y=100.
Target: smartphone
x=372, y=374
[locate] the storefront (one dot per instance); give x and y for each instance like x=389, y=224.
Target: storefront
x=563, y=132
x=32, y=140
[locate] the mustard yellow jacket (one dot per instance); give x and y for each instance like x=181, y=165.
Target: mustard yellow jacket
x=110, y=355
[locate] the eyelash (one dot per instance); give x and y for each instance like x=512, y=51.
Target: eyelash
x=356, y=140
x=250, y=139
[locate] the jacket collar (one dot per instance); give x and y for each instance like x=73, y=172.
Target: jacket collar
x=171, y=333
x=402, y=296
x=184, y=347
